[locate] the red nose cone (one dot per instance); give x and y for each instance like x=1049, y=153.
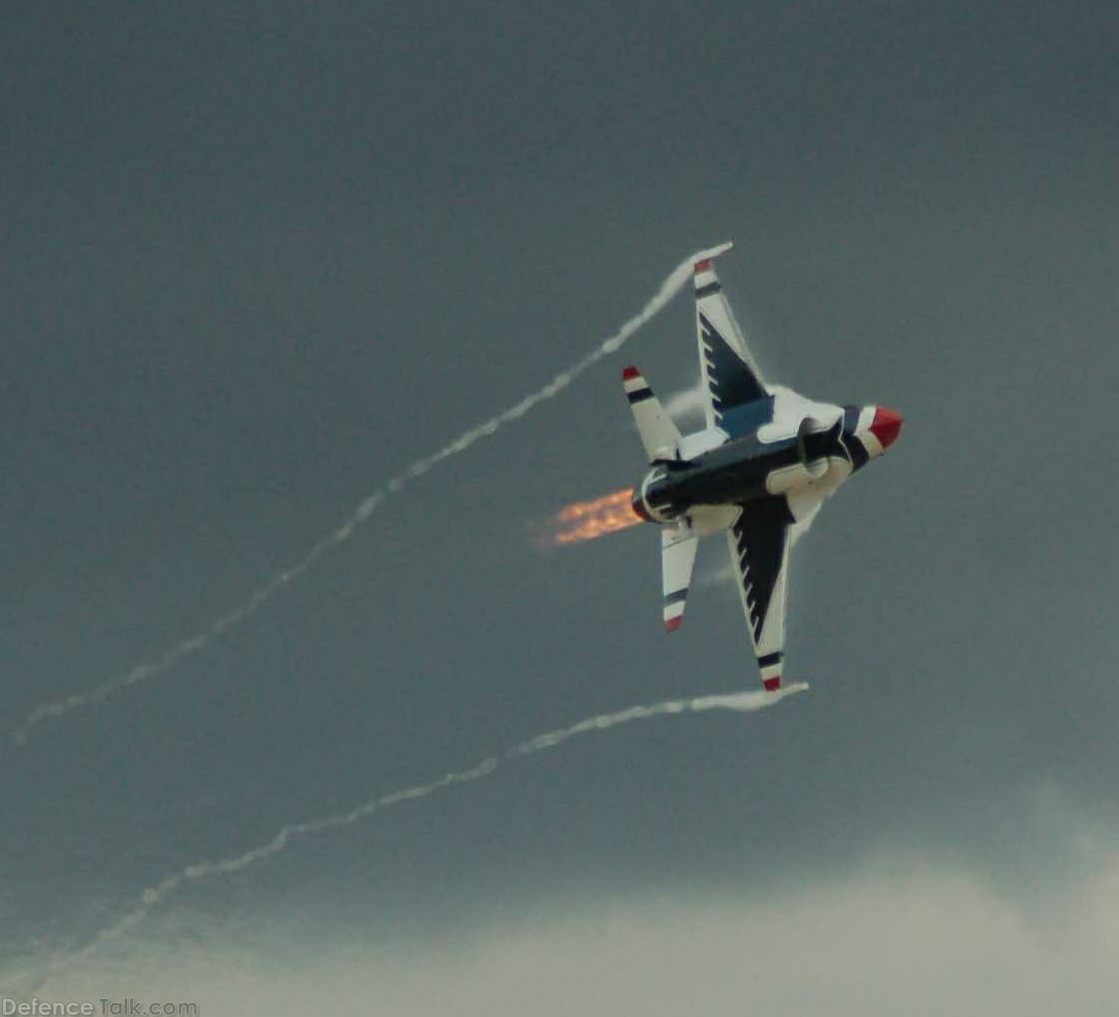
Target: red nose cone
x=886, y=426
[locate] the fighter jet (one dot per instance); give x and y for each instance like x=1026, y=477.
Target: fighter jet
x=760, y=470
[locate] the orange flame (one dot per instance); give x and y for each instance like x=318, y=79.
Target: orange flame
x=586, y=520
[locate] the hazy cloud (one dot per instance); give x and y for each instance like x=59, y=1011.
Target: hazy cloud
x=901, y=935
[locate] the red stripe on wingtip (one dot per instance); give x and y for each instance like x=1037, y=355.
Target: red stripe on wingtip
x=772, y=684
x=672, y=624
x=630, y=372
x=703, y=266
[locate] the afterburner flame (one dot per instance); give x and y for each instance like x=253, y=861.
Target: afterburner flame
x=586, y=520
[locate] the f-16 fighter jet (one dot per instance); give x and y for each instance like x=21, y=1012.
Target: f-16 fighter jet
x=759, y=470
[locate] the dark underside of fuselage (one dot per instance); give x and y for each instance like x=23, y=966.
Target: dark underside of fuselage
x=735, y=473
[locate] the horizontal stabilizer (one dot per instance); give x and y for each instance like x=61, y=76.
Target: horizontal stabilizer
x=678, y=548
x=659, y=434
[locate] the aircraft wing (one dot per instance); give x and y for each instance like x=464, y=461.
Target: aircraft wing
x=731, y=377
x=759, y=543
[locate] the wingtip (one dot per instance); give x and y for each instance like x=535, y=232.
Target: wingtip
x=672, y=624
x=630, y=372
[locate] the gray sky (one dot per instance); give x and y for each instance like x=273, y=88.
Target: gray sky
x=258, y=258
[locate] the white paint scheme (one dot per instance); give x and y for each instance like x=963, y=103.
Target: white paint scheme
x=810, y=509
x=810, y=476
x=651, y=477
x=791, y=478
x=789, y=411
x=807, y=483
x=872, y=445
x=707, y=520
x=806, y=502
x=659, y=433
x=693, y=445
x=678, y=550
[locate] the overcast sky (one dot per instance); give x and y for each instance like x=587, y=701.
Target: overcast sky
x=257, y=258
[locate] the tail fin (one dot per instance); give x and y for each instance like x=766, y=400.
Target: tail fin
x=658, y=433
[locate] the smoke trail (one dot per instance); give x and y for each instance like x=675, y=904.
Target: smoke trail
x=55, y=708
x=156, y=894
x=687, y=402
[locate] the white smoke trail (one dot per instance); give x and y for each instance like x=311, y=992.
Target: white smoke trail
x=688, y=402
x=156, y=894
x=55, y=708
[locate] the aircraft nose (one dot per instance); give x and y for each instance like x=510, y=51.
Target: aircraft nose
x=886, y=426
